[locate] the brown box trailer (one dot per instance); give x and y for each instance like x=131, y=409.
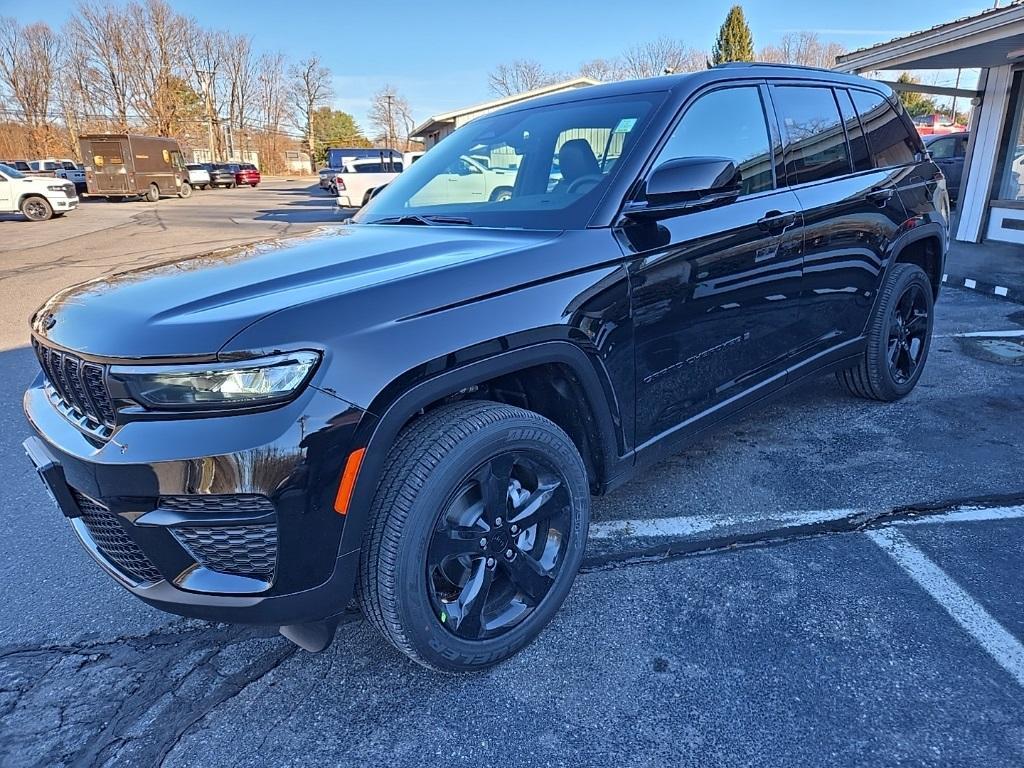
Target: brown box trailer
x=118, y=165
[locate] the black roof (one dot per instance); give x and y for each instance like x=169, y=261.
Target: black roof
x=690, y=81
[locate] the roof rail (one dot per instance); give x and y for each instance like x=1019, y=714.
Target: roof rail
x=741, y=64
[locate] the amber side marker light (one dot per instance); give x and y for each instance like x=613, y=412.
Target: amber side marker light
x=348, y=481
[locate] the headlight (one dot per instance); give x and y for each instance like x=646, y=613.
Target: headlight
x=217, y=385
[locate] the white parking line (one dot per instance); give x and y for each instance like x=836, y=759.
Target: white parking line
x=688, y=525
x=965, y=610
x=969, y=515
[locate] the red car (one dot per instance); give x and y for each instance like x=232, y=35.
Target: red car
x=247, y=173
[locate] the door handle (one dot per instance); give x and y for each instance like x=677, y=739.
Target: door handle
x=881, y=197
x=777, y=221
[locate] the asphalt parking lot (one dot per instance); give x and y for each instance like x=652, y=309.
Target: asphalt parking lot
x=826, y=582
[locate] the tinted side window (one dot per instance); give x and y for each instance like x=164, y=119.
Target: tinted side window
x=815, y=141
x=889, y=139
x=854, y=133
x=727, y=123
x=943, y=148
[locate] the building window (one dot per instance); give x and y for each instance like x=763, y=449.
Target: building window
x=1011, y=185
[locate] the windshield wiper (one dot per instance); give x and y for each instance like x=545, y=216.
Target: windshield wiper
x=426, y=219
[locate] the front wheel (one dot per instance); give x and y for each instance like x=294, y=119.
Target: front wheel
x=476, y=533
x=37, y=209
x=185, y=190
x=899, y=336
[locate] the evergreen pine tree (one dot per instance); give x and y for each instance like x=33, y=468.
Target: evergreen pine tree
x=734, y=43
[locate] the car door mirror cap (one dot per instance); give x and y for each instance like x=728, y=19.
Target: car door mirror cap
x=685, y=183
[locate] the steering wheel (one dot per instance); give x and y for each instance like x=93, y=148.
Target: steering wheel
x=591, y=178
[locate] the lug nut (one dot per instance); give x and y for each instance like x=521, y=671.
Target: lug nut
x=514, y=528
x=483, y=543
x=508, y=553
x=490, y=562
x=497, y=521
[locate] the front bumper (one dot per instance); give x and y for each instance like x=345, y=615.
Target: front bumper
x=63, y=203
x=225, y=518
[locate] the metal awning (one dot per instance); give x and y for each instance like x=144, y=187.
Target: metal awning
x=992, y=38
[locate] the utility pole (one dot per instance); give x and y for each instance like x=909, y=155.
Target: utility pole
x=389, y=129
x=207, y=86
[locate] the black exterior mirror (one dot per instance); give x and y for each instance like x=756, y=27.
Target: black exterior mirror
x=688, y=180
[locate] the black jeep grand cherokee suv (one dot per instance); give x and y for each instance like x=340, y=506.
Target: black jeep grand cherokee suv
x=415, y=409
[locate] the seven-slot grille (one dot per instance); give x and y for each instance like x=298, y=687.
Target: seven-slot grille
x=79, y=385
x=113, y=540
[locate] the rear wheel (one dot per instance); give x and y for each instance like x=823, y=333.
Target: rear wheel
x=899, y=337
x=152, y=194
x=36, y=208
x=476, y=533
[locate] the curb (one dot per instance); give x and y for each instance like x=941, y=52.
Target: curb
x=1008, y=292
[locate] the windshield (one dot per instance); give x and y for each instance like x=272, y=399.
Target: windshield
x=540, y=168
x=11, y=172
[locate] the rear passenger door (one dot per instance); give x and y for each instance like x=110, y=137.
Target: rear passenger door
x=851, y=211
x=715, y=290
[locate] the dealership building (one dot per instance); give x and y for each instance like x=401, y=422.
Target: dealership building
x=991, y=202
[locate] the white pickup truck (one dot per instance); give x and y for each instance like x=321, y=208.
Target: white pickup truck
x=38, y=198
x=354, y=182
x=469, y=179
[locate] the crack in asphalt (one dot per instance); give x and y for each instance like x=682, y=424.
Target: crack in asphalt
x=132, y=700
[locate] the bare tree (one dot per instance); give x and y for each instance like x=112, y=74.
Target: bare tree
x=660, y=56
x=391, y=116
x=99, y=36
x=29, y=59
x=157, y=67
x=605, y=70
x=204, y=55
x=241, y=74
x=804, y=48
x=519, y=76
x=309, y=88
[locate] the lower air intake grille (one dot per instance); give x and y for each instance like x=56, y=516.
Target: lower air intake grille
x=240, y=550
x=113, y=541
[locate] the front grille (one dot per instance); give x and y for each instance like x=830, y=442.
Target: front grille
x=240, y=550
x=113, y=540
x=80, y=387
x=250, y=504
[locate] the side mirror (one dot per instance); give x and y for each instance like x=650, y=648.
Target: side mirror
x=688, y=181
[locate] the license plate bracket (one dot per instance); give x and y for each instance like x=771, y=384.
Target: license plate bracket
x=52, y=475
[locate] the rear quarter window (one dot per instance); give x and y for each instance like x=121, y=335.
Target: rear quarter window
x=889, y=139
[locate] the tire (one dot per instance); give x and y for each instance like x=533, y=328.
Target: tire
x=152, y=194
x=428, y=477
x=500, y=194
x=232, y=185
x=185, y=190
x=36, y=208
x=253, y=186
x=894, y=359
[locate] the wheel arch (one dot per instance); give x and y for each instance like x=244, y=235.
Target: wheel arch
x=925, y=246
x=590, y=415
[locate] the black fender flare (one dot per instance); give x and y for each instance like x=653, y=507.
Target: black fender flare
x=383, y=430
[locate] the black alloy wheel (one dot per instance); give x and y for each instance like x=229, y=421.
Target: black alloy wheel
x=897, y=337
x=36, y=209
x=498, y=545
x=476, y=532
x=908, y=331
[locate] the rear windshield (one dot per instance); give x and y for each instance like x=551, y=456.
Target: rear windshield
x=393, y=167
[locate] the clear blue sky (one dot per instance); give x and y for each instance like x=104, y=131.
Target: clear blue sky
x=439, y=56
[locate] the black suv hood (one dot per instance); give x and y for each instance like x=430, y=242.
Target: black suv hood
x=193, y=307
